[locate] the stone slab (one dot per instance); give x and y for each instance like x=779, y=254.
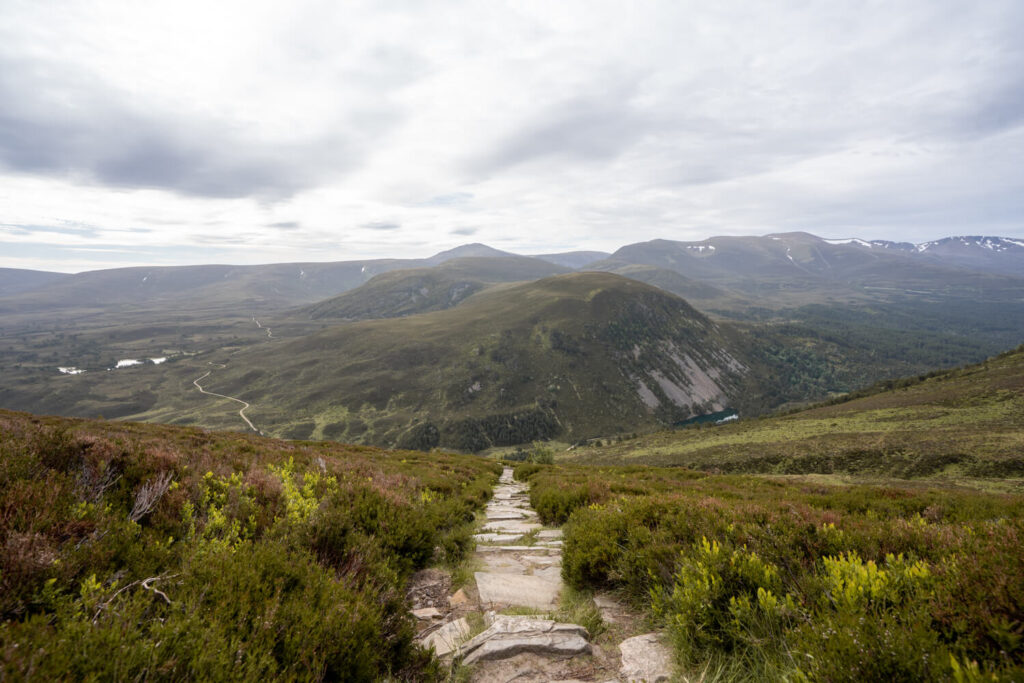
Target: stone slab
x=493, y=537
x=512, y=527
x=427, y=613
x=510, y=636
x=518, y=591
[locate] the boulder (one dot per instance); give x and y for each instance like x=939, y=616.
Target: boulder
x=645, y=658
x=447, y=638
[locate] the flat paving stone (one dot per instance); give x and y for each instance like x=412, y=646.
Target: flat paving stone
x=512, y=527
x=517, y=591
x=510, y=636
x=493, y=537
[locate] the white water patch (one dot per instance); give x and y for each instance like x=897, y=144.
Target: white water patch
x=158, y=361
x=127, y=363
x=730, y=418
x=71, y=370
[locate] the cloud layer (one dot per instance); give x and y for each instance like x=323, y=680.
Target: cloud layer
x=187, y=132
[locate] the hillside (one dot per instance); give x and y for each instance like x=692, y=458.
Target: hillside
x=964, y=422
x=211, y=288
x=420, y=290
x=570, y=356
x=17, y=280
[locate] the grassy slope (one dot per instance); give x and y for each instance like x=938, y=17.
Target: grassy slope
x=966, y=421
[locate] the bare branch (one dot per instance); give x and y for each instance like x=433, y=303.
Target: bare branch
x=145, y=583
x=149, y=495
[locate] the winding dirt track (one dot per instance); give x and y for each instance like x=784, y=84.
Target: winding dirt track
x=241, y=412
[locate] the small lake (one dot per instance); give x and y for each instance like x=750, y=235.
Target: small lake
x=726, y=415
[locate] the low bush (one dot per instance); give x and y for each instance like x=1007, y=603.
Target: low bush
x=767, y=579
x=145, y=552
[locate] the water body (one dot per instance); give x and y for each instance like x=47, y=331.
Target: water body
x=710, y=418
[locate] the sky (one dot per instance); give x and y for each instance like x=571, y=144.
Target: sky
x=164, y=133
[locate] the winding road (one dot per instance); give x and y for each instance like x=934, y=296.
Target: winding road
x=241, y=412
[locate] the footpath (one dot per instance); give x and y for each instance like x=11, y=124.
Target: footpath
x=505, y=625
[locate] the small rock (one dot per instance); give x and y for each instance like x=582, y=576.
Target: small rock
x=447, y=639
x=427, y=613
x=645, y=658
x=459, y=599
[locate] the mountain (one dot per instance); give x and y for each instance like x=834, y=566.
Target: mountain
x=574, y=259
x=796, y=269
x=475, y=250
x=17, y=280
x=968, y=421
x=419, y=290
x=571, y=356
x=992, y=254
x=214, y=287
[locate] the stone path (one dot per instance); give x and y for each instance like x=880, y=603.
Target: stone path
x=520, y=566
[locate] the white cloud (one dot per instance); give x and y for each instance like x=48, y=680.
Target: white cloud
x=188, y=132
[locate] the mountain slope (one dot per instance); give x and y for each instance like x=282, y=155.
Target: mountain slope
x=406, y=292
x=574, y=259
x=215, y=287
x=794, y=269
x=570, y=356
x=17, y=280
x=968, y=421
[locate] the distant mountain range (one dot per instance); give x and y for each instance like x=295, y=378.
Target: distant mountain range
x=773, y=270
x=475, y=346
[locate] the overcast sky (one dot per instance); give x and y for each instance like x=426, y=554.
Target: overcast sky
x=181, y=132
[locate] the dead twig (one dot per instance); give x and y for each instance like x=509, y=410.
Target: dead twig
x=145, y=583
x=149, y=495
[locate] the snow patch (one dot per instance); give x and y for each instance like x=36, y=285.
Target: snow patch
x=158, y=361
x=127, y=363
x=728, y=418
x=701, y=248
x=851, y=240
x=71, y=370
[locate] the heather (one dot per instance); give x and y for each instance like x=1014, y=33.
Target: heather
x=771, y=578
x=146, y=552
